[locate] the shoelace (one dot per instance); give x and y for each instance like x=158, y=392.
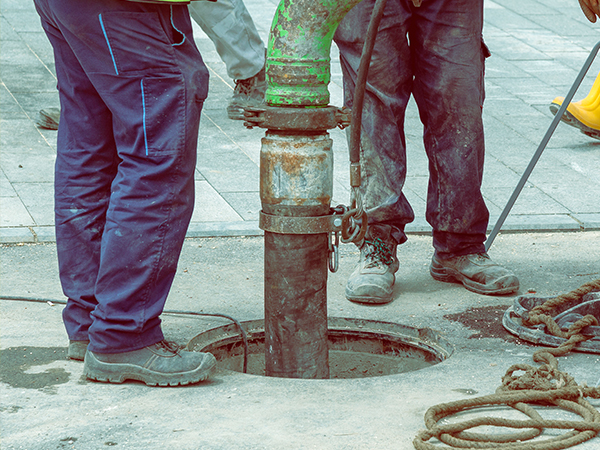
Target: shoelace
x=169, y=346
x=379, y=251
x=244, y=87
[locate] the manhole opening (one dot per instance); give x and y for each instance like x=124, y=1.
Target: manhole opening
x=358, y=348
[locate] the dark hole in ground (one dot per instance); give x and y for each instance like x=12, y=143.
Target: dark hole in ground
x=486, y=322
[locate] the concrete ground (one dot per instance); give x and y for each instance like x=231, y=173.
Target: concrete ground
x=48, y=404
x=45, y=403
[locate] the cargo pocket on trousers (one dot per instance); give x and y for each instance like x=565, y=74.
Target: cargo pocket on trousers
x=163, y=114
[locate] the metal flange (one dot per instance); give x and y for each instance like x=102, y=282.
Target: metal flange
x=299, y=119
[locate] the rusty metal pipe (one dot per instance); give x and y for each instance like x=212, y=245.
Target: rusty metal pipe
x=296, y=181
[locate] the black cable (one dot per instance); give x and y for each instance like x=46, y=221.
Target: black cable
x=239, y=325
x=361, y=81
x=166, y=311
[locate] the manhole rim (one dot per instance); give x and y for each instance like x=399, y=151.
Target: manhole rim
x=423, y=339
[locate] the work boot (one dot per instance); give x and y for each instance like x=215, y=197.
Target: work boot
x=162, y=364
x=584, y=114
x=248, y=92
x=77, y=350
x=373, y=280
x=477, y=272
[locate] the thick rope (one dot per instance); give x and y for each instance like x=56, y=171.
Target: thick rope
x=545, y=385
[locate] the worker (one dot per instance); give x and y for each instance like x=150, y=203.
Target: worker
x=131, y=84
x=433, y=50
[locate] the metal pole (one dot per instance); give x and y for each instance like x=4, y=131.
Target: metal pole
x=542, y=146
x=296, y=180
x=296, y=185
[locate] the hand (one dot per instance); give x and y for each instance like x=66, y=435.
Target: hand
x=417, y=3
x=591, y=9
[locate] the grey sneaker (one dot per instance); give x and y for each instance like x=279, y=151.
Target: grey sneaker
x=477, y=272
x=248, y=92
x=373, y=280
x=162, y=364
x=77, y=350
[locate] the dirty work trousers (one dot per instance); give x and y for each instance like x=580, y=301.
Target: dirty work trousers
x=131, y=84
x=436, y=53
x=229, y=26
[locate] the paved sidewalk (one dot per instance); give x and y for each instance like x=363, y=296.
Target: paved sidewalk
x=537, y=47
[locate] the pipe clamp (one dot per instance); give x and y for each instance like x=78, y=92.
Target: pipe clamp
x=298, y=225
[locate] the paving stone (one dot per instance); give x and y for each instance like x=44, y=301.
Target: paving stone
x=16, y=235
x=28, y=166
x=224, y=229
x=531, y=200
x=543, y=222
x=588, y=221
x=530, y=8
x=246, y=204
x=210, y=206
x=7, y=32
x=36, y=197
x=6, y=188
x=537, y=50
x=13, y=213
x=44, y=234
x=234, y=172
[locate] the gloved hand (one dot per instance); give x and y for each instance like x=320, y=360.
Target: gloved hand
x=590, y=8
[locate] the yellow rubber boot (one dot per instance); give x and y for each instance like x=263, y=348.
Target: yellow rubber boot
x=584, y=114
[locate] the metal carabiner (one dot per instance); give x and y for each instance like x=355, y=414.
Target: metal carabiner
x=333, y=259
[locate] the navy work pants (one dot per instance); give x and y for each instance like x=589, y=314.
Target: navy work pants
x=436, y=53
x=131, y=83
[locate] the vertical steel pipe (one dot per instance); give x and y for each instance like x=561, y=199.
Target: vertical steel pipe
x=296, y=181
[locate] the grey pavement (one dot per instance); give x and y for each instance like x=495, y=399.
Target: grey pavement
x=537, y=50
x=46, y=402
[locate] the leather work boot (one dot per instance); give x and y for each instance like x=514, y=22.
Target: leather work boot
x=77, y=350
x=373, y=280
x=477, y=272
x=162, y=364
x=248, y=92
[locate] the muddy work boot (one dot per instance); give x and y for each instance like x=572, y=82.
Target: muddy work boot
x=248, y=92
x=373, y=280
x=77, y=350
x=162, y=364
x=477, y=272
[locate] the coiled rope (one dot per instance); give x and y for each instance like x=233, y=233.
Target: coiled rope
x=544, y=385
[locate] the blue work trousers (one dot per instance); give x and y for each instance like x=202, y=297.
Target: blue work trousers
x=132, y=84
x=436, y=53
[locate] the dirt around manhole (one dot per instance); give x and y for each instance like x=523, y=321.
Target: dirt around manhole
x=486, y=322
